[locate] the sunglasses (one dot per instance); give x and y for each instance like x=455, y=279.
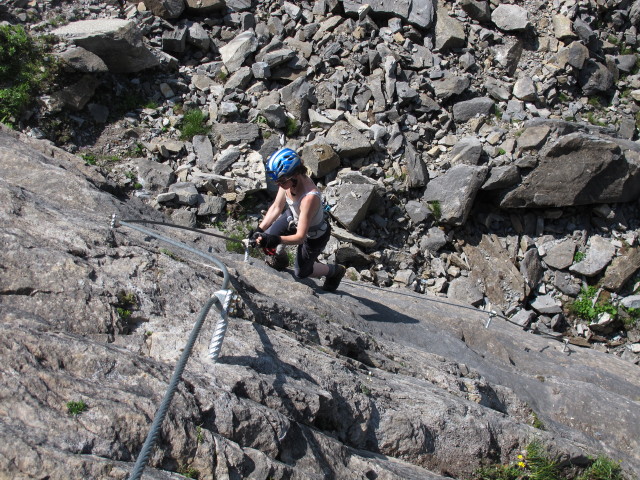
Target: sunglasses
x=283, y=181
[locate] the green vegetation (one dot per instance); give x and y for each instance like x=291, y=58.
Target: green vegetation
x=536, y=422
x=585, y=308
x=535, y=464
x=602, y=469
x=291, y=127
x=591, y=118
x=260, y=120
x=630, y=317
x=579, y=256
x=193, y=123
x=188, y=472
x=365, y=390
x=126, y=303
x=25, y=70
x=89, y=159
x=170, y=254
x=76, y=408
x=563, y=97
x=435, y=208
x=502, y=151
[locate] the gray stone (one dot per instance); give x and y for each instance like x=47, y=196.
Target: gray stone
x=153, y=175
x=467, y=150
x=168, y=9
x=99, y=113
x=234, y=53
x=572, y=167
x=465, y=111
x=562, y=28
x=525, y=89
x=210, y=205
x=205, y=6
x=82, y=60
x=76, y=95
x=418, y=174
x=198, y=36
x=276, y=116
x=632, y=301
x=418, y=212
x=203, y=150
x=117, y=42
x=320, y=159
x=524, y=318
x=449, y=32
x=510, y=18
x=508, y=54
x=479, y=10
x=186, y=218
x=240, y=79
x=501, y=177
x=186, y=191
x=465, y=290
x=455, y=192
x=560, y=255
x=451, y=85
x=434, y=240
x=347, y=141
x=595, y=78
x=175, y=40
x=491, y=266
x=531, y=268
x=532, y=138
x=354, y=201
x=497, y=89
x=416, y=12
x=297, y=97
x=575, y=54
x=622, y=269
x=225, y=134
x=599, y=255
x=546, y=305
x=225, y=159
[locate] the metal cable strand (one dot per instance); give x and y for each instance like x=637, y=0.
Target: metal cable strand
x=154, y=431
x=221, y=327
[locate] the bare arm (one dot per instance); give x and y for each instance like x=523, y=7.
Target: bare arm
x=275, y=210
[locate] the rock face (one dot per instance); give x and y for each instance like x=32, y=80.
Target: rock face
x=482, y=152
x=345, y=385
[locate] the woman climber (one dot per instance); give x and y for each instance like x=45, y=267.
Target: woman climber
x=303, y=222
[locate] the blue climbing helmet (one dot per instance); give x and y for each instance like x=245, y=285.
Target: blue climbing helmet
x=282, y=164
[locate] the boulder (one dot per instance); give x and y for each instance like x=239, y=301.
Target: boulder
x=117, y=42
x=455, y=191
x=579, y=169
x=347, y=141
x=510, y=18
x=352, y=204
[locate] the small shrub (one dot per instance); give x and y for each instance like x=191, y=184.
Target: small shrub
x=579, y=256
x=602, y=469
x=188, y=472
x=76, y=408
x=498, y=472
x=291, y=127
x=435, y=208
x=583, y=307
x=25, y=69
x=193, y=123
x=89, y=159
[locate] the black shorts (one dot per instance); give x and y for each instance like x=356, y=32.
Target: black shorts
x=308, y=251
